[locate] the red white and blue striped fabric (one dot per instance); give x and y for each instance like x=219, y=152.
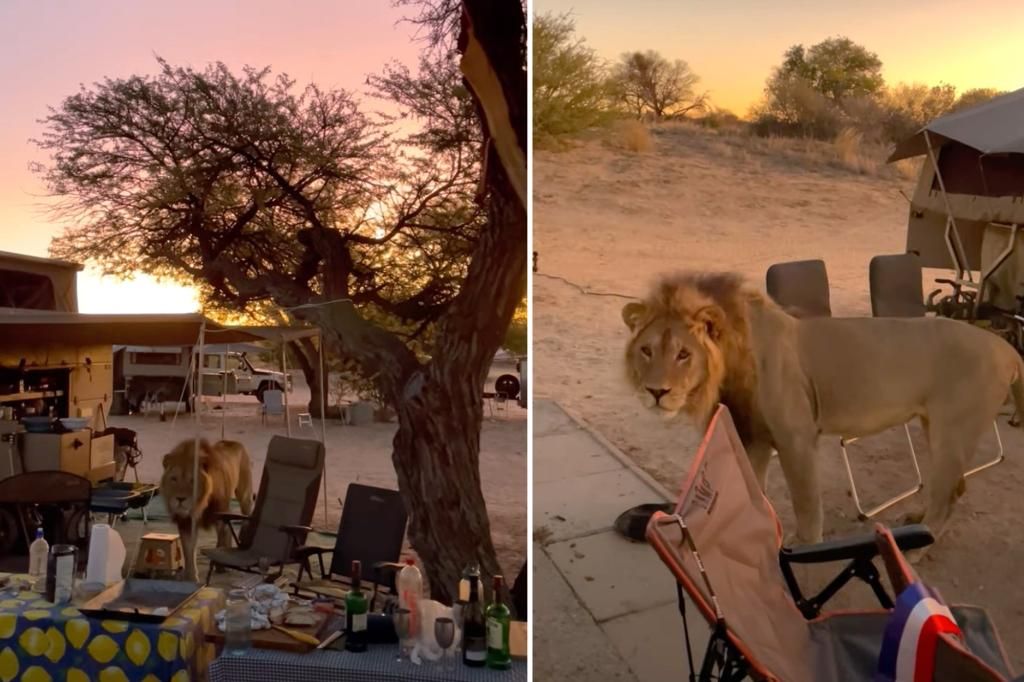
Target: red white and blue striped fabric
x=908, y=646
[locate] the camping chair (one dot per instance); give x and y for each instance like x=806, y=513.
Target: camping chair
x=273, y=404
x=57, y=501
x=371, y=531
x=723, y=545
x=802, y=288
x=896, y=291
x=284, y=510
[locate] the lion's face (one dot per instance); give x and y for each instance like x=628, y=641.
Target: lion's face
x=176, y=483
x=671, y=359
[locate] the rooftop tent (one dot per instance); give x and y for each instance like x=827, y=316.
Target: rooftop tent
x=969, y=199
x=38, y=283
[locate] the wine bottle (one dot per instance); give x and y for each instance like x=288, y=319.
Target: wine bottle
x=355, y=614
x=499, y=622
x=474, y=631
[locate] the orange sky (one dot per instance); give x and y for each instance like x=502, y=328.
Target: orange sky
x=733, y=44
x=48, y=48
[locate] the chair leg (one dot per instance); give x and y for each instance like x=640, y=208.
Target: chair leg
x=209, y=573
x=909, y=492
x=994, y=461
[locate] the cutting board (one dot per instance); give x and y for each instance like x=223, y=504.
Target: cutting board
x=277, y=640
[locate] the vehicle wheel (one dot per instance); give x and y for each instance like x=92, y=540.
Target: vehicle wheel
x=260, y=391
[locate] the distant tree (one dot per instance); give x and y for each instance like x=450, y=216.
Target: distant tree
x=265, y=196
x=909, y=107
x=974, y=97
x=570, y=91
x=837, y=68
x=793, y=107
x=646, y=82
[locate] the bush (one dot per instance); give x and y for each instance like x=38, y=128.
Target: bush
x=633, y=136
x=793, y=108
x=570, y=92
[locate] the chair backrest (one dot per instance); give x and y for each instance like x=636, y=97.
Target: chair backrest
x=287, y=494
x=738, y=536
x=801, y=287
x=63, y=501
x=273, y=401
x=896, y=288
x=372, y=529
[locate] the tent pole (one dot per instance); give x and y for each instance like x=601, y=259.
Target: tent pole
x=324, y=378
x=284, y=371
x=197, y=379
x=223, y=393
x=955, y=246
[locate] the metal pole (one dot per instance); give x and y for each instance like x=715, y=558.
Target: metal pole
x=223, y=392
x=324, y=378
x=197, y=377
x=284, y=371
x=959, y=258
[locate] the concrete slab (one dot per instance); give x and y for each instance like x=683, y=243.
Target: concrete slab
x=549, y=418
x=586, y=504
x=567, y=643
x=612, y=575
x=652, y=641
x=568, y=454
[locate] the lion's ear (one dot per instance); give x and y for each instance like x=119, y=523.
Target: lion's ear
x=632, y=313
x=711, y=320
x=167, y=458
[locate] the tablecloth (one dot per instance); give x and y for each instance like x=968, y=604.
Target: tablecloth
x=376, y=665
x=40, y=642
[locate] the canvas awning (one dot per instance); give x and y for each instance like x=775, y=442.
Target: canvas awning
x=993, y=127
x=20, y=327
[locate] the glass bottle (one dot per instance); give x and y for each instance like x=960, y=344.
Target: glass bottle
x=474, y=631
x=355, y=613
x=499, y=622
x=237, y=623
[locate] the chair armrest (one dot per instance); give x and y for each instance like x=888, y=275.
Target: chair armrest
x=312, y=550
x=862, y=547
x=296, y=531
x=231, y=516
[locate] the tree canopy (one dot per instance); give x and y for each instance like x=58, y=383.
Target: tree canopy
x=647, y=82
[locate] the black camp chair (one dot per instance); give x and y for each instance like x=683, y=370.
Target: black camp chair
x=801, y=287
x=371, y=531
x=56, y=501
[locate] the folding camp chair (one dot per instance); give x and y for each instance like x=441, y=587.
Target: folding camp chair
x=372, y=531
x=896, y=291
x=284, y=509
x=802, y=288
x=273, y=404
x=723, y=545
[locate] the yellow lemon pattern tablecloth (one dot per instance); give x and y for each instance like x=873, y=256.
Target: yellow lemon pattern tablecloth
x=40, y=642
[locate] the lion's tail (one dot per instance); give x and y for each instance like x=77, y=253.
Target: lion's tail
x=1017, y=389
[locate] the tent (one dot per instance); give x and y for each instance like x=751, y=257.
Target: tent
x=968, y=205
x=28, y=282
x=32, y=328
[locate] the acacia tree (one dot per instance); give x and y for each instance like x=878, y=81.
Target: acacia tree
x=647, y=82
x=268, y=196
x=837, y=68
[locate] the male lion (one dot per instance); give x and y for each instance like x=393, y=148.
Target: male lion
x=703, y=338
x=224, y=470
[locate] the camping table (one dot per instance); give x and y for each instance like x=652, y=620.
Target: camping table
x=58, y=642
x=376, y=665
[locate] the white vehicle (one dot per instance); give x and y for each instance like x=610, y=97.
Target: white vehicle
x=157, y=374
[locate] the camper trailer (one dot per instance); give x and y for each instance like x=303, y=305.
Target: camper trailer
x=967, y=211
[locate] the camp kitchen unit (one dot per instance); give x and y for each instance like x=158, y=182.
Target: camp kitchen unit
x=56, y=376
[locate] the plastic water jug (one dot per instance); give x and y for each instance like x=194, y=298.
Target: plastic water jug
x=106, y=556
x=410, y=592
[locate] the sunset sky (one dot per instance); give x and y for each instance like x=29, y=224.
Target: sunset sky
x=48, y=48
x=733, y=44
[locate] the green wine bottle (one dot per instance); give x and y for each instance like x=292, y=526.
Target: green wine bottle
x=499, y=622
x=355, y=614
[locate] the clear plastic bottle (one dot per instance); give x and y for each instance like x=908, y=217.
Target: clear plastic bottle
x=38, y=554
x=237, y=623
x=410, y=592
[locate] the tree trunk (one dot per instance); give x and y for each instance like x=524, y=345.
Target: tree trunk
x=308, y=357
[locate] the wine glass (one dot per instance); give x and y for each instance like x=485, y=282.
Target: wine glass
x=444, y=633
x=401, y=621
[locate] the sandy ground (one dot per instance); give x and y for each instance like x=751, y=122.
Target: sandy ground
x=610, y=221
x=354, y=454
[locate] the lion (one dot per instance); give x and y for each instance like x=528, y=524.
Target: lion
x=224, y=470
x=700, y=339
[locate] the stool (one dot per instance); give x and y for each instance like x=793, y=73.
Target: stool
x=159, y=553
x=305, y=419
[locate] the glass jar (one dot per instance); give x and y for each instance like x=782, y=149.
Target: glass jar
x=237, y=623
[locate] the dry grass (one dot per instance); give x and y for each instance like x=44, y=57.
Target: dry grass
x=632, y=136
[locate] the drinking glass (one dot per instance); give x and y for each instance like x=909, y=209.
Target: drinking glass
x=444, y=633
x=401, y=620
x=237, y=623
x=458, y=609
